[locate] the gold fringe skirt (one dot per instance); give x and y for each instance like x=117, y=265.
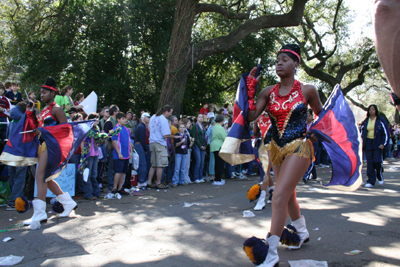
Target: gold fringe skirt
x=42, y=147
x=268, y=146
x=302, y=148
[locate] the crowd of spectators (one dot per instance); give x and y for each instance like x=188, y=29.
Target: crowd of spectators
x=172, y=151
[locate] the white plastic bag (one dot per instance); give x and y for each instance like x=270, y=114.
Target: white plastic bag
x=100, y=154
x=308, y=263
x=135, y=160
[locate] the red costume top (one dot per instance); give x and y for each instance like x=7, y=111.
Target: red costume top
x=288, y=115
x=289, y=111
x=46, y=117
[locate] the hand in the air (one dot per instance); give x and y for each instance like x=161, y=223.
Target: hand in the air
x=253, y=73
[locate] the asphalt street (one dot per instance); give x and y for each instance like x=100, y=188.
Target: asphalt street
x=157, y=230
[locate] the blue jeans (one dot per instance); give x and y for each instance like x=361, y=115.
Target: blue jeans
x=180, y=165
x=110, y=172
x=187, y=178
x=17, y=182
x=211, y=164
x=142, y=170
x=148, y=156
x=199, y=156
x=388, y=150
x=228, y=170
x=76, y=158
x=91, y=187
x=250, y=166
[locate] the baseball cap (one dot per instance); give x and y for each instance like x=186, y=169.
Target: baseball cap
x=145, y=115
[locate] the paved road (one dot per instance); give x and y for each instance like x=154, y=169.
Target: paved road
x=156, y=230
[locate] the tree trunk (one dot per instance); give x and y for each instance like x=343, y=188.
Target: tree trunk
x=179, y=57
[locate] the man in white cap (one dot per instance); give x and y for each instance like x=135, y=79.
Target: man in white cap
x=142, y=148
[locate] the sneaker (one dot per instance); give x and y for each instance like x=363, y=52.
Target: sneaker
x=244, y=171
x=174, y=185
x=242, y=176
x=202, y=180
x=100, y=185
x=368, y=185
x=10, y=207
x=381, y=182
x=218, y=183
x=122, y=192
x=142, y=184
x=197, y=181
x=233, y=175
x=109, y=196
x=237, y=174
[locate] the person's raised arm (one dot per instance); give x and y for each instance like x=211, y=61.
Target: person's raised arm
x=255, y=109
x=260, y=105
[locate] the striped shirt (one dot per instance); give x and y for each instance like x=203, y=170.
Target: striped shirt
x=4, y=103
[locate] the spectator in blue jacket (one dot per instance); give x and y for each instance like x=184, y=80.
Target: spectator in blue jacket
x=375, y=135
x=17, y=174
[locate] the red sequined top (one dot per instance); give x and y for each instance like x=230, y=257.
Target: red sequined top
x=288, y=114
x=46, y=117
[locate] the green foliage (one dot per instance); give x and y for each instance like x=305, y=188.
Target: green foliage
x=119, y=48
x=116, y=48
x=215, y=79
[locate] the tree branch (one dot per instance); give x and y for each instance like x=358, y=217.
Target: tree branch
x=360, y=77
x=202, y=8
x=224, y=43
x=339, y=4
x=356, y=103
x=226, y=88
x=353, y=65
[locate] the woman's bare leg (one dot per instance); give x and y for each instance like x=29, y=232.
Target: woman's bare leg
x=54, y=187
x=41, y=184
x=284, y=201
x=40, y=171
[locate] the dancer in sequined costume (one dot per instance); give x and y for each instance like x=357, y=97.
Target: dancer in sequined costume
x=51, y=115
x=291, y=153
